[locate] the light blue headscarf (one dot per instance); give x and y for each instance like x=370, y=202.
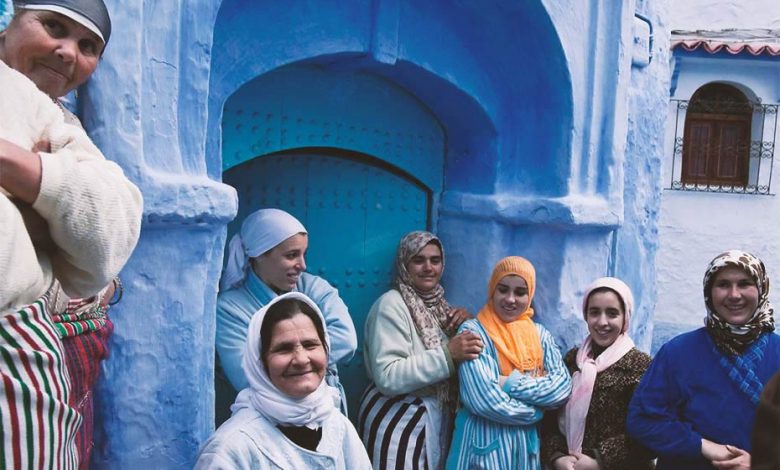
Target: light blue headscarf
x=260, y=232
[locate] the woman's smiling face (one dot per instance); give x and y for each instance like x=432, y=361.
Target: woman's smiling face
x=55, y=52
x=734, y=295
x=281, y=266
x=605, y=317
x=425, y=267
x=296, y=359
x=510, y=298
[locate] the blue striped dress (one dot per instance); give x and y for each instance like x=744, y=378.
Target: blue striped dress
x=500, y=429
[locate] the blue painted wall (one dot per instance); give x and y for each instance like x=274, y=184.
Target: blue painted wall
x=6, y=11
x=538, y=104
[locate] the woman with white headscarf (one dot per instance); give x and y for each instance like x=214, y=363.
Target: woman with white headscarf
x=590, y=432
x=266, y=259
x=696, y=404
x=287, y=417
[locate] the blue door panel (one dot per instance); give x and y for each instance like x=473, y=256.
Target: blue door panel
x=300, y=106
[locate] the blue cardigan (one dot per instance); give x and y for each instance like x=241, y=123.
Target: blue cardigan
x=686, y=395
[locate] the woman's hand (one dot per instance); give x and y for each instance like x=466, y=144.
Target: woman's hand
x=42, y=146
x=455, y=317
x=20, y=171
x=585, y=463
x=564, y=463
x=714, y=452
x=465, y=346
x=740, y=460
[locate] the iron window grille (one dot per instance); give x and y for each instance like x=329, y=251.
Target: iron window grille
x=723, y=143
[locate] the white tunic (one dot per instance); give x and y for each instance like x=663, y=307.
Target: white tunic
x=249, y=441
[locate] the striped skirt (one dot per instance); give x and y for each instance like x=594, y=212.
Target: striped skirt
x=393, y=430
x=85, y=331
x=83, y=354
x=37, y=426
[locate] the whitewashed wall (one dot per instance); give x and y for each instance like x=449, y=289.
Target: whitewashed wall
x=696, y=226
x=724, y=14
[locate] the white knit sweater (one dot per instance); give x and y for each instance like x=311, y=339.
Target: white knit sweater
x=92, y=210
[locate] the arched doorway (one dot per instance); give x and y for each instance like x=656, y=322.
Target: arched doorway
x=439, y=92
x=337, y=149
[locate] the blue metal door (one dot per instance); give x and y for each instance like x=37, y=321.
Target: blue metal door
x=355, y=208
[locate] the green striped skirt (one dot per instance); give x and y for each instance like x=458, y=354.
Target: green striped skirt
x=37, y=427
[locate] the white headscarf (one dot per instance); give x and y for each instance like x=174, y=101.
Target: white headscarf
x=260, y=232
x=265, y=398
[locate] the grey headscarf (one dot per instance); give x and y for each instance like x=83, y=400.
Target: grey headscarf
x=92, y=14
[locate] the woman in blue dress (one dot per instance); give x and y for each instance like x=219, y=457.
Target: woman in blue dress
x=266, y=259
x=696, y=404
x=517, y=376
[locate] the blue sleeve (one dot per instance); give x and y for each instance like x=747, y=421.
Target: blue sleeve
x=481, y=393
x=653, y=417
x=343, y=338
x=232, y=325
x=550, y=391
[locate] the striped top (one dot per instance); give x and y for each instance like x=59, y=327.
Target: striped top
x=500, y=429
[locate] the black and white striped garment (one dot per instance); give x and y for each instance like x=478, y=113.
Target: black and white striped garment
x=393, y=430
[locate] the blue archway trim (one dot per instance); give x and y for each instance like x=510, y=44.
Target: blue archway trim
x=494, y=75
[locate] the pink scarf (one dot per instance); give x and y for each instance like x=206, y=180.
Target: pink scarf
x=572, y=420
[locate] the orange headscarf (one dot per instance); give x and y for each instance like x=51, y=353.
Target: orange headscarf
x=517, y=343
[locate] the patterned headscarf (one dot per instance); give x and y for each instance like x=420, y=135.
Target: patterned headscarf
x=428, y=309
x=734, y=339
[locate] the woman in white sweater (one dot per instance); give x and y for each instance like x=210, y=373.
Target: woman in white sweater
x=66, y=212
x=411, y=355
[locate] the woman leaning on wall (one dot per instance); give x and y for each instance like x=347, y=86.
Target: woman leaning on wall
x=70, y=220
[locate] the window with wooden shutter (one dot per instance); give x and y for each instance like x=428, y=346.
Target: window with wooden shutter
x=716, y=146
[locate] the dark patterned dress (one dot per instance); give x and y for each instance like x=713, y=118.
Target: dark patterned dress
x=605, y=428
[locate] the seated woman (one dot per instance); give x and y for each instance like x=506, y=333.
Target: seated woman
x=591, y=431
x=287, y=417
x=696, y=404
x=266, y=259
x=406, y=414
x=517, y=376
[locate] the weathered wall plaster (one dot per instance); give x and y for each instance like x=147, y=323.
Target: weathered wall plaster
x=724, y=14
